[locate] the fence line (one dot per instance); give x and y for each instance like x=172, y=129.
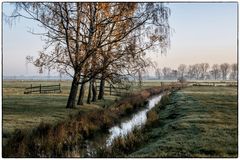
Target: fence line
x=121, y=90
x=43, y=89
x=116, y=91
x=112, y=90
x=213, y=83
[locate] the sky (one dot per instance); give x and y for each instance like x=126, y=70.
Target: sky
x=201, y=32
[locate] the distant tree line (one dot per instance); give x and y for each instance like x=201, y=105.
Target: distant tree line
x=200, y=71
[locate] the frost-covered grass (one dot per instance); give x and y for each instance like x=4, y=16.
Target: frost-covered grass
x=198, y=122
x=62, y=138
x=25, y=111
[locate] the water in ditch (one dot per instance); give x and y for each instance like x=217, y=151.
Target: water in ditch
x=137, y=120
x=125, y=127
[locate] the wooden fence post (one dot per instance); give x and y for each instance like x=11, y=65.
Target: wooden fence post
x=31, y=88
x=110, y=89
x=40, y=89
x=60, y=87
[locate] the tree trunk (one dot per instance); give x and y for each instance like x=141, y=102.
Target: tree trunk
x=81, y=94
x=94, y=91
x=73, y=91
x=101, y=88
x=89, y=92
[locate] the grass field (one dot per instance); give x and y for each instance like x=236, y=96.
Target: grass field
x=198, y=122
x=25, y=111
x=65, y=138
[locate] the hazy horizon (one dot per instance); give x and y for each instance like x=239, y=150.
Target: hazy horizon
x=202, y=32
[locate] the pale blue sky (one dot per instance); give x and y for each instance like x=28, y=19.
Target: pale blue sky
x=203, y=32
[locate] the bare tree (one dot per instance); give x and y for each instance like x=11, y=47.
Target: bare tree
x=197, y=70
x=61, y=73
x=182, y=69
x=158, y=73
x=234, y=70
x=190, y=72
x=29, y=59
x=215, y=71
x=224, y=70
x=203, y=69
x=174, y=74
x=166, y=72
x=81, y=92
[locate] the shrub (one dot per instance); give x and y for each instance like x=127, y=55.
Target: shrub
x=13, y=145
x=165, y=100
x=133, y=140
x=42, y=130
x=104, y=152
x=152, y=118
x=107, y=120
x=122, y=145
x=128, y=109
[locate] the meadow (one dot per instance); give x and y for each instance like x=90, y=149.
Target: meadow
x=196, y=122
x=64, y=138
x=25, y=111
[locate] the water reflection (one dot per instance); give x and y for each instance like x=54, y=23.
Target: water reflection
x=137, y=120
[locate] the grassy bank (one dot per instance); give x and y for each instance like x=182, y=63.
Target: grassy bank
x=198, y=122
x=194, y=122
x=122, y=146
